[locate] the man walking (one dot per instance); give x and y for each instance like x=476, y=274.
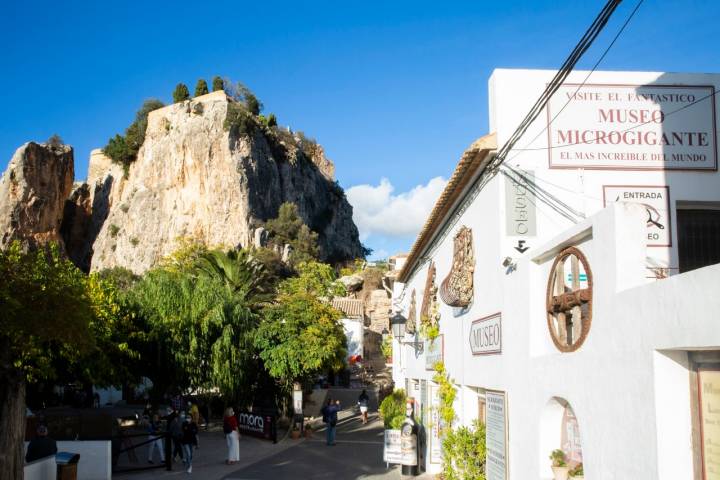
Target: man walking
x=330, y=411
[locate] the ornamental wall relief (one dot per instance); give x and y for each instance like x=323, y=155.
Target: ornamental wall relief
x=429, y=312
x=457, y=288
x=412, y=315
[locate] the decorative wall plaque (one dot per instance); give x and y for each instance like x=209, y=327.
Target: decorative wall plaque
x=412, y=314
x=569, y=300
x=457, y=289
x=429, y=314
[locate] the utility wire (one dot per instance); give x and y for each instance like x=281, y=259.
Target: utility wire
x=582, y=84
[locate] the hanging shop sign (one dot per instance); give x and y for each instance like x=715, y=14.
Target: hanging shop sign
x=434, y=350
x=457, y=288
x=496, y=435
x=486, y=335
x=656, y=201
x=634, y=127
x=520, y=220
x=709, y=398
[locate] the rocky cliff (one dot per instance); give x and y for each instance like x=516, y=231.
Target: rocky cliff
x=195, y=177
x=33, y=190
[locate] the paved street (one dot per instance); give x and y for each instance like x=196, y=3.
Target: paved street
x=357, y=455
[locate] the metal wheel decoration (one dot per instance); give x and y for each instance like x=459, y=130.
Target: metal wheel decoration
x=569, y=300
x=429, y=315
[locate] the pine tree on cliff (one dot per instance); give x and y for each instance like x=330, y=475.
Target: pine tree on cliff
x=218, y=84
x=201, y=88
x=181, y=93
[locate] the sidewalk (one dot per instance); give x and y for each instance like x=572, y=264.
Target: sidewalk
x=209, y=459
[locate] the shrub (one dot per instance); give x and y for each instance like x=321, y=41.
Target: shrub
x=218, y=84
x=123, y=149
x=55, y=141
x=113, y=229
x=464, y=453
x=239, y=121
x=272, y=120
x=181, y=93
x=252, y=103
x=392, y=409
x=201, y=88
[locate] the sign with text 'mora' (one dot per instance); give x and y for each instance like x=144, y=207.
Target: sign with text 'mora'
x=632, y=127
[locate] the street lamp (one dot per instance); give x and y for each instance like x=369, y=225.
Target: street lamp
x=398, y=323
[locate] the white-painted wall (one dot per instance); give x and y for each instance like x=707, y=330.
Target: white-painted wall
x=43, y=469
x=629, y=383
x=95, y=459
x=354, y=333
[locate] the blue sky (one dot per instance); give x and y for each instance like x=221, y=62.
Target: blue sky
x=393, y=90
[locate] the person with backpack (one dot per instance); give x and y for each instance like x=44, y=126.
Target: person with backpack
x=330, y=411
x=189, y=440
x=232, y=436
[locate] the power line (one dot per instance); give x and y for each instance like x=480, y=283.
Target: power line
x=583, y=45
x=597, y=63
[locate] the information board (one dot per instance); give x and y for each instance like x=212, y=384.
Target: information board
x=709, y=397
x=655, y=199
x=636, y=127
x=496, y=435
x=433, y=351
x=392, y=452
x=435, y=438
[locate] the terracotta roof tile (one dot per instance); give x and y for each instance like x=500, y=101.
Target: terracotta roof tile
x=351, y=307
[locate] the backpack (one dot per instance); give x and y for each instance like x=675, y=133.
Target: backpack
x=226, y=427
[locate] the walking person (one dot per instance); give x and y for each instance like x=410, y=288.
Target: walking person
x=154, y=430
x=330, y=411
x=175, y=430
x=189, y=440
x=232, y=436
x=194, y=413
x=363, y=401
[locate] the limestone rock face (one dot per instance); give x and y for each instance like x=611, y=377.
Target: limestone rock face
x=194, y=179
x=33, y=190
x=377, y=308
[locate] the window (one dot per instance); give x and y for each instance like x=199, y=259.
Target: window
x=698, y=238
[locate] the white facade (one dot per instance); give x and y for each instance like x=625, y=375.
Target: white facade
x=630, y=384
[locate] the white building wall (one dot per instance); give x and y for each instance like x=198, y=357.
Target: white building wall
x=629, y=383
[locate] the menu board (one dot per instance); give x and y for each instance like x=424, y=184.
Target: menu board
x=709, y=397
x=496, y=436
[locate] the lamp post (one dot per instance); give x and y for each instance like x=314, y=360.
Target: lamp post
x=398, y=323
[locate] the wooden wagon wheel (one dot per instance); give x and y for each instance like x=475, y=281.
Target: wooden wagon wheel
x=569, y=308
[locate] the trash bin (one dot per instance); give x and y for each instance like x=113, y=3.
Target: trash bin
x=67, y=465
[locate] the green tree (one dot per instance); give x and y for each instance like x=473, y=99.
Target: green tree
x=288, y=228
x=45, y=308
x=464, y=453
x=252, y=103
x=201, y=88
x=272, y=120
x=392, y=409
x=204, y=316
x=123, y=149
x=217, y=84
x=181, y=93
x=300, y=334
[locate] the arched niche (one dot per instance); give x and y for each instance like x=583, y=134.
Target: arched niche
x=559, y=429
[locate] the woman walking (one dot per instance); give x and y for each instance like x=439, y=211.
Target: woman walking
x=232, y=436
x=189, y=440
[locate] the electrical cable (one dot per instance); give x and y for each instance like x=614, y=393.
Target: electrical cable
x=582, y=84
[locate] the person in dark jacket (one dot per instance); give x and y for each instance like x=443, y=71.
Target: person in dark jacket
x=41, y=446
x=189, y=440
x=330, y=418
x=174, y=427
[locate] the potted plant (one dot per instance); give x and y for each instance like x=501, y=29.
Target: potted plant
x=559, y=465
x=295, y=432
x=308, y=430
x=577, y=472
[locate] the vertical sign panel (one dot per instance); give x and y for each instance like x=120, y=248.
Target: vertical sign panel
x=519, y=205
x=709, y=397
x=496, y=435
